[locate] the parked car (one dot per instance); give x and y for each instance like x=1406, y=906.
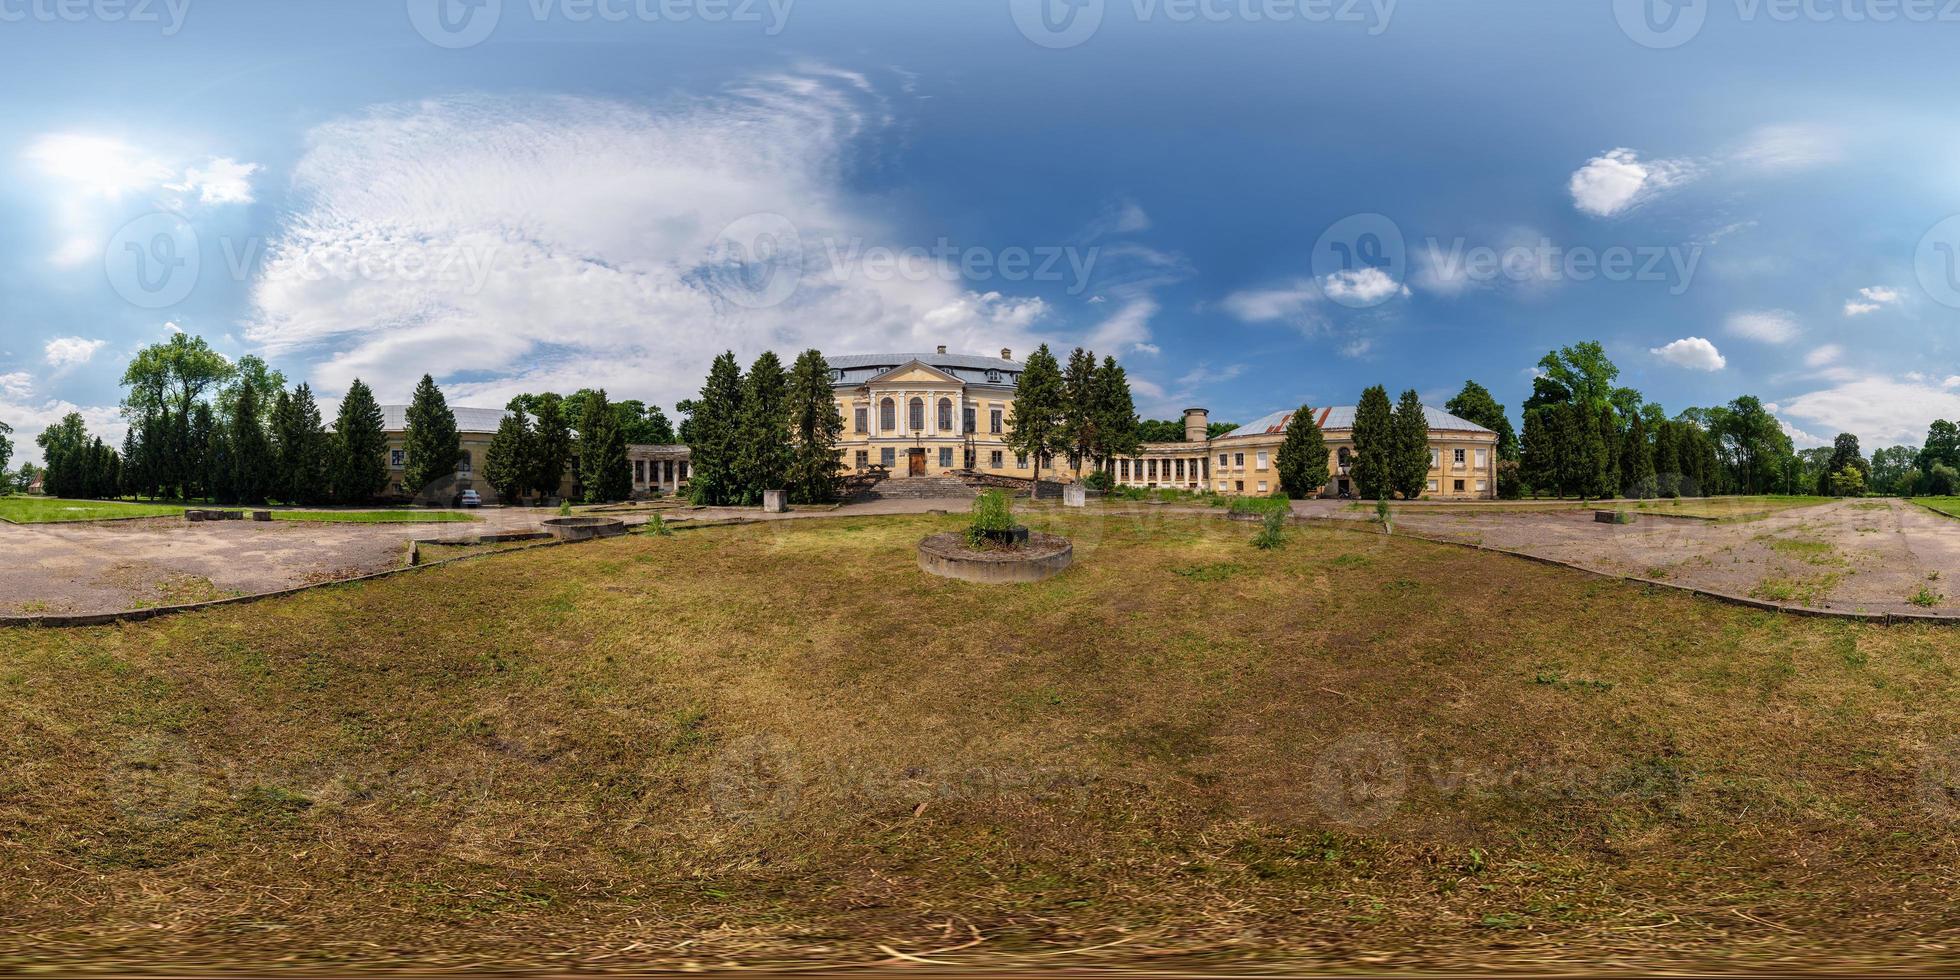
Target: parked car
x=470, y=498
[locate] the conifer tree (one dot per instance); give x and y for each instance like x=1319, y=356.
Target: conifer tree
x=713, y=429
x=1116, y=415
x=218, y=474
x=815, y=426
x=510, y=463
x=1040, y=411
x=252, y=461
x=551, y=454
x=1079, y=417
x=1411, y=462
x=433, y=445
x=605, y=476
x=762, y=449
x=1667, y=460
x=359, y=448
x=1637, y=472
x=1373, y=469
x=1302, y=456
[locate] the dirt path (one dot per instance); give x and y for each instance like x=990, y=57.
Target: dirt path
x=1871, y=556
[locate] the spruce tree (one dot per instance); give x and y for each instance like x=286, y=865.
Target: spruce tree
x=1079, y=421
x=1637, y=474
x=306, y=450
x=359, y=448
x=1117, y=427
x=218, y=474
x=815, y=425
x=605, y=476
x=1373, y=469
x=1667, y=460
x=199, y=433
x=551, y=453
x=1411, y=462
x=252, y=461
x=1040, y=411
x=1302, y=456
x=713, y=429
x=433, y=445
x=509, y=463
x=130, y=478
x=762, y=449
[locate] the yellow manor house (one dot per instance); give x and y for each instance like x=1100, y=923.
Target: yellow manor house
x=944, y=414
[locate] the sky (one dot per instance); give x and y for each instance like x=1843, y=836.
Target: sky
x=1253, y=204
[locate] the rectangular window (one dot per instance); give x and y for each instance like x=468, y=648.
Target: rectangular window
x=1480, y=486
x=1239, y=485
x=864, y=458
x=397, y=458
x=1180, y=469
x=1432, y=486
x=1260, y=460
x=1459, y=486
x=1435, y=459
x=463, y=465
x=1224, y=459
x=971, y=425
x=1152, y=465
x=1262, y=486
x=1238, y=459
x=1122, y=469
x=639, y=471
x=1020, y=461
x=1456, y=456
x=861, y=418
x=887, y=456
x=993, y=421
x=1483, y=458
x=946, y=456
x=994, y=460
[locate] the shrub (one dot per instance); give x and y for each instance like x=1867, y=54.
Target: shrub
x=991, y=512
x=657, y=527
x=1099, y=480
x=1272, y=532
x=564, y=508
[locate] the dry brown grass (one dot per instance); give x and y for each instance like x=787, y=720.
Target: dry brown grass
x=782, y=745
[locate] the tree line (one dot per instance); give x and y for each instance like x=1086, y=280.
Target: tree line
x=766, y=429
x=1082, y=413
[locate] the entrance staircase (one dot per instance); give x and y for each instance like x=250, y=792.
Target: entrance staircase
x=916, y=488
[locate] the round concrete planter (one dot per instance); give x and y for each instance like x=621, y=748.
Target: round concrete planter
x=584, y=528
x=1044, y=556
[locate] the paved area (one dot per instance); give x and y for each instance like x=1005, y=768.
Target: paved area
x=1871, y=556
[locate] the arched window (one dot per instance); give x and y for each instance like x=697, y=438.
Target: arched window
x=915, y=411
x=463, y=463
x=887, y=415
x=945, y=415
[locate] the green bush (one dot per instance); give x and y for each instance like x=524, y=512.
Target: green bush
x=657, y=527
x=1099, y=480
x=1272, y=531
x=564, y=508
x=991, y=512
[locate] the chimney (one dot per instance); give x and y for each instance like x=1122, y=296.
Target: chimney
x=1006, y=354
x=942, y=348
x=1197, y=424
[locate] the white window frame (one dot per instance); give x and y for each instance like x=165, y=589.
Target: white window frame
x=397, y=459
x=1259, y=460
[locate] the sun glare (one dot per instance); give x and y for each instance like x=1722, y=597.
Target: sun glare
x=102, y=165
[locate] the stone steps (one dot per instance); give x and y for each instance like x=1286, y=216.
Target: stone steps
x=917, y=488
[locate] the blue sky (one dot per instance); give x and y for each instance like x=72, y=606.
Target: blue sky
x=1253, y=203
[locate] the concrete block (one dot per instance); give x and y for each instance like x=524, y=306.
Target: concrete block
x=774, y=501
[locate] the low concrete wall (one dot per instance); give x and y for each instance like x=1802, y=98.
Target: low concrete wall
x=948, y=556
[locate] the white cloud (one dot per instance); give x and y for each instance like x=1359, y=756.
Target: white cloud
x=16, y=384
x=598, y=232
x=172, y=327
x=1619, y=180
x=1855, y=308
x=1880, y=294
x=1790, y=147
x=1798, y=437
x=1767, y=326
x=1827, y=354
x=1286, y=302
x=30, y=418
x=100, y=166
x=1695, y=353
x=1358, y=347
x=1879, y=410
x=1363, y=286
x=70, y=351
x=1873, y=298
x=221, y=181
x=1205, y=374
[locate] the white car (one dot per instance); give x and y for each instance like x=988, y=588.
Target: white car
x=471, y=499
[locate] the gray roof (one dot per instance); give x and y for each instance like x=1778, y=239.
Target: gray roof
x=1342, y=417
x=394, y=418
x=857, y=369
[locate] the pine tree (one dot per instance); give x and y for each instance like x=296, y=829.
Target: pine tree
x=605, y=476
x=1079, y=420
x=551, y=453
x=359, y=448
x=130, y=478
x=762, y=447
x=1116, y=415
x=433, y=445
x=1373, y=469
x=1302, y=456
x=200, y=434
x=509, y=463
x=1040, y=411
x=252, y=461
x=1637, y=475
x=815, y=425
x=1667, y=460
x=713, y=429
x=1410, y=469
x=218, y=473
x=305, y=449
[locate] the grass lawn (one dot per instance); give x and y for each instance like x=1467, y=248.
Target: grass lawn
x=374, y=516
x=783, y=744
x=21, y=509
x=1950, y=506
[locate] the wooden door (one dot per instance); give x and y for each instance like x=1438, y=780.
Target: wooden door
x=916, y=463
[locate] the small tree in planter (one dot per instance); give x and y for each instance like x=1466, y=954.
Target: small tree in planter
x=993, y=522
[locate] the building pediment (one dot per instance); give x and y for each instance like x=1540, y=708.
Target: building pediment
x=914, y=372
